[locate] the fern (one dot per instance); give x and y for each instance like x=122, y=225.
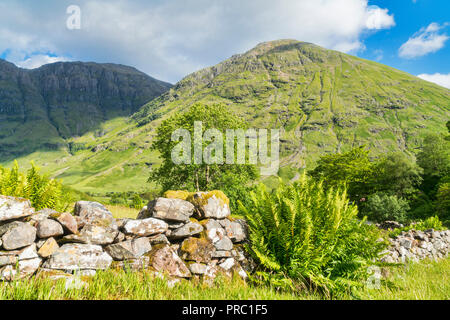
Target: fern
x=42, y=191
x=308, y=237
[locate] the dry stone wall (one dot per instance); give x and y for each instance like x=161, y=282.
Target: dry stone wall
x=170, y=236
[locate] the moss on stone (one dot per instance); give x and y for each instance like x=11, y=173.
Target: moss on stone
x=177, y=194
x=200, y=199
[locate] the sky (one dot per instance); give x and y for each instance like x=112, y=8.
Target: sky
x=169, y=39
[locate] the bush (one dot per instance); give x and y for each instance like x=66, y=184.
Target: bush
x=430, y=223
x=137, y=202
x=381, y=207
x=42, y=191
x=302, y=236
x=443, y=202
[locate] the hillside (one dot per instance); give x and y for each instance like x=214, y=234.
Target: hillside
x=42, y=109
x=324, y=101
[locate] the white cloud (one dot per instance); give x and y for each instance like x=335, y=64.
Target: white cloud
x=169, y=39
x=440, y=79
x=426, y=41
x=38, y=60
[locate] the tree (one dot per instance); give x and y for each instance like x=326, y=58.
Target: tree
x=396, y=174
x=189, y=173
x=434, y=158
x=352, y=169
x=382, y=207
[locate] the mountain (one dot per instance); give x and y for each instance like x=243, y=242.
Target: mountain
x=43, y=108
x=323, y=101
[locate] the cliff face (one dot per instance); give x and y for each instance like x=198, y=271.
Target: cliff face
x=41, y=108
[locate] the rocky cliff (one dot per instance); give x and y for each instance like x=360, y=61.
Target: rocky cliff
x=42, y=108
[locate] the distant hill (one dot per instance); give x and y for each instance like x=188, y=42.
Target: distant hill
x=323, y=101
x=41, y=109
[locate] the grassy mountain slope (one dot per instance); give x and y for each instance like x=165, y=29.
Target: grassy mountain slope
x=42, y=109
x=324, y=101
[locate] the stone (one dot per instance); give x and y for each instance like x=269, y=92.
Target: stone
x=131, y=249
x=175, y=225
x=158, y=239
x=8, y=226
x=94, y=234
x=7, y=260
x=235, y=230
x=227, y=264
x=176, y=210
x=23, y=269
x=49, y=228
x=79, y=257
x=222, y=254
x=14, y=208
x=212, y=204
x=198, y=250
x=48, y=248
x=20, y=236
x=187, y=230
x=28, y=253
x=94, y=213
x=120, y=237
x=41, y=215
x=225, y=244
x=164, y=259
x=145, y=227
x=68, y=222
x=213, y=230
x=139, y=264
x=406, y=243
x=197, y=268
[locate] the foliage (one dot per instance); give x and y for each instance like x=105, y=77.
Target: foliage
x=352, y=169
x=119, y=198
x=197, y=177
x=443, y=202
x=42, y=191
x=430, y=223
x=397, y=174
x=434, y=158
x=303, y=236
x=137, y=202
x=382, y=207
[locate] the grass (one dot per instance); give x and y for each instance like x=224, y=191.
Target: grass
x=121, y=212
x=427, y=280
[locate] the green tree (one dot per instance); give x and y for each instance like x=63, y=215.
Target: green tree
x=137, y=202
x=194, y=176
x=396, y=174
x=382, y=207
x=443, y=202
x=434, y=158
x=352, y=169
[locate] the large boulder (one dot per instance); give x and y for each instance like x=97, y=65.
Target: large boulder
x=145, y=227
x=164, y=259
x=79, y=257
x=48, y=228
x=19, y=236
x=213, y=204
x=197, y=249
x=94, y=234
x=176, y=210
x=94, y=212
x=130, y=249
x=14, y=208
x=185, y=231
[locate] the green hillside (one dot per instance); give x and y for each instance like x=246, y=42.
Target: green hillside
x=324, y=101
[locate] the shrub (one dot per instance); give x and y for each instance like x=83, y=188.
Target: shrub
x=443, y=202
x=430, y=223
x=42, y=191
x=381, y=207
x=302, y=236
x=137, y=202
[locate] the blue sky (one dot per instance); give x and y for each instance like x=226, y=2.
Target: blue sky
x=169, y=39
